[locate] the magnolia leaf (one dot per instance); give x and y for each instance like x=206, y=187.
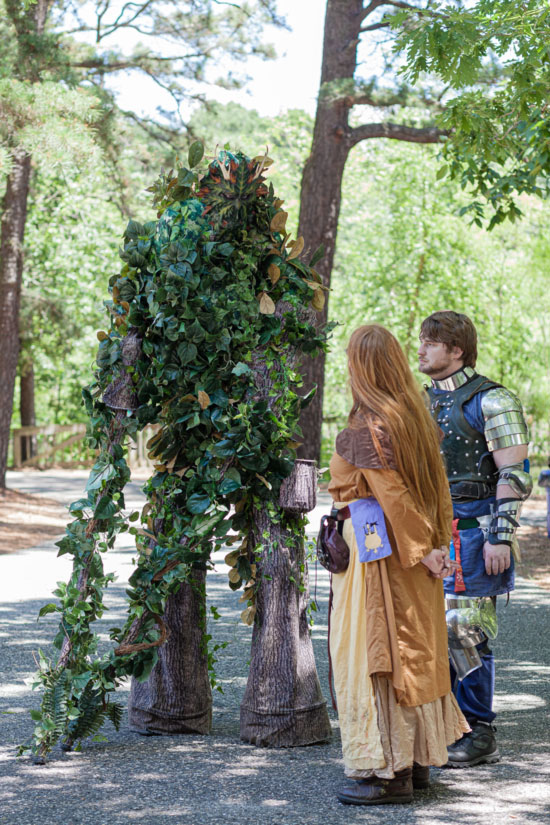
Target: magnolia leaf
x=293, y=445
x=125, y=306
x=317, y=255
x=277, y=203
x=204, y=399
x=313, y=284
x=231, y=558
x=297, y=248
x=248, y=594
x=154, y=438
x=234, y=575
x=248, y=614
x=318, y=300
x=267, y=307
x=102, y=336
x=264, y=160
x=188, y=397
x=171, y=464
x=274, y=273
x=316, y=275
x=264, y=481
x=198, y=503
x=273, y=251
x=116, y=294
x=279, y=221
x=196, y=152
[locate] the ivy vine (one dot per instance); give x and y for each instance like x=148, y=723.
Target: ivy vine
x=207, y=292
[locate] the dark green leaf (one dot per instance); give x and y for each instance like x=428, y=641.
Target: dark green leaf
x=317, y=255
x=48, y=608
x=196, y=152
x=198, y=503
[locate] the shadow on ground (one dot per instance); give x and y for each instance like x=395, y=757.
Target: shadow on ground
x=217, y=779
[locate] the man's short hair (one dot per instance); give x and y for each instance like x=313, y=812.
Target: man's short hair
x=454, y=330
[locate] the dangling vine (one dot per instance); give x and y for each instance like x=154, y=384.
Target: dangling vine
x=207, y=292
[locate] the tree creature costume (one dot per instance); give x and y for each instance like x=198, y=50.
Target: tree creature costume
x=209, y=315
x=477, y=417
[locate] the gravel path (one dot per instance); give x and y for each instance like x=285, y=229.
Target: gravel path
x=217, y=780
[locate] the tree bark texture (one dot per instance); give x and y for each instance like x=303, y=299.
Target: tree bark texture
x=283, y=705
x=321, y=191
x=26, y=407
x=14, y=214
x=177, y=697
x=320, y=198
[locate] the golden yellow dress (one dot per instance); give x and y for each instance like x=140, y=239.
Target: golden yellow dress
x=388, y=638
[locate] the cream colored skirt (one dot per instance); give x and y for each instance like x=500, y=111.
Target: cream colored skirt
x=379, y=736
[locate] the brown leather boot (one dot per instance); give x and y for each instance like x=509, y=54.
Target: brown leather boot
x=420, y=776
x=375, y=791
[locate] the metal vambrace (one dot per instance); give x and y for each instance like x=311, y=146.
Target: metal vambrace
x=505, y=521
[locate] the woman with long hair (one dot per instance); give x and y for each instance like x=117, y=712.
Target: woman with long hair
x=388, y=638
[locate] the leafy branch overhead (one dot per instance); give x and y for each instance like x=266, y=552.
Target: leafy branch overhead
x=212, y=300
x=497, y=54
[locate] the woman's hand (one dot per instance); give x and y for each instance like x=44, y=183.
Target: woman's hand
x=439, y=563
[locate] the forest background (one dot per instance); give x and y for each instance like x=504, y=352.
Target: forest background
x=403, y=250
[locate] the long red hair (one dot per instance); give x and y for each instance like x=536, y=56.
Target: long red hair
x=386, y=397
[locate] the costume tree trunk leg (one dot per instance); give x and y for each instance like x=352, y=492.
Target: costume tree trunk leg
x=177, y=697
x=283, y=705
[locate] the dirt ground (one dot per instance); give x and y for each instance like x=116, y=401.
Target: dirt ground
x=535, y=546
x=27, y=520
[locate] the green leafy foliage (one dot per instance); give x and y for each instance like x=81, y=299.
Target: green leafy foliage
x=496, y=53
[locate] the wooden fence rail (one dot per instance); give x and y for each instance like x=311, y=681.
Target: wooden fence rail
x=62, y=445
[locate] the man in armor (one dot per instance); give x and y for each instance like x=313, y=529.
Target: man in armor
x=484, y=444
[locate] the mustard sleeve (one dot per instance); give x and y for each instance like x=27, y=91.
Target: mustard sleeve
x=413, y=534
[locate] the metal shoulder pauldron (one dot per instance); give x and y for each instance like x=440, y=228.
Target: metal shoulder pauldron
x=505, y=425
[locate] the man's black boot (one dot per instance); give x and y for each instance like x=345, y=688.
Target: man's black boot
x=475, y=748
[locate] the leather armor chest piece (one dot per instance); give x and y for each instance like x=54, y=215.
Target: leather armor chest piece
x=467, y=457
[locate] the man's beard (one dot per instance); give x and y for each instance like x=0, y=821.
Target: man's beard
x=431, y=369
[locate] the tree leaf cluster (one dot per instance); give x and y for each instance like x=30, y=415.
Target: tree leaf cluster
x=496, y=53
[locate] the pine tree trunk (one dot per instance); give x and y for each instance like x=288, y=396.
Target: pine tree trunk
x=321, y=191
x=14, y=213
x=26, y=407
x=333, y=138
x=177, y=697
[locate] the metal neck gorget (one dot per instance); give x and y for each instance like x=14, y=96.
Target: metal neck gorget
x=454, y=381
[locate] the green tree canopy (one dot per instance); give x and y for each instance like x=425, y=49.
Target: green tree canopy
x=496, y=55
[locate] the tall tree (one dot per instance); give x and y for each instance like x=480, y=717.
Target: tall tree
x=333, y=139
x=491, y=61
x=44, y=65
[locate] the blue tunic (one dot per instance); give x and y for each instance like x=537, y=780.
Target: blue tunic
x=477, y=582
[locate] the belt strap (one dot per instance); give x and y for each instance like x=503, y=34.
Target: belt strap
x=340, y=513
x=467, y=523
